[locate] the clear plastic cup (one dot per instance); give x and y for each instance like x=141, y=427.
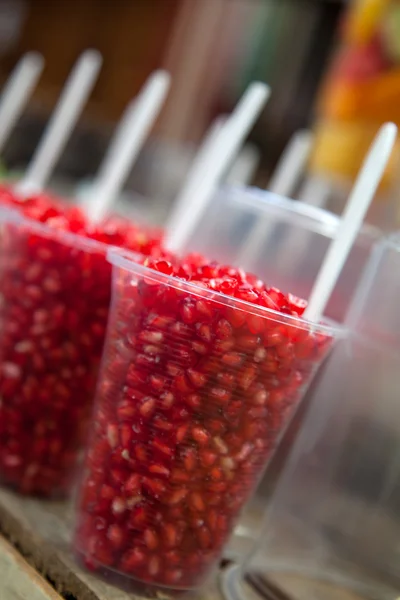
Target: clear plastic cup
x=195, y=390
x=295, y=239
x=332, y=528
x=55, y=290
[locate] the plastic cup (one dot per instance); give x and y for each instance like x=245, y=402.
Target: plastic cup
x=55, y=291
x=332, y=528
x=194, y=393
x=297, y=237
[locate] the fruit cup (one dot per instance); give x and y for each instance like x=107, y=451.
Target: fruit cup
x=195, y=390
x=55, y=289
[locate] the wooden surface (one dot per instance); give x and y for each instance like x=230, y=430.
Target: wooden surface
x=41, y=531
x=20, y=581
x=35, y=547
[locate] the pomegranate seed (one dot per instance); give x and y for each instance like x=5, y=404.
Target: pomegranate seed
x=207, y=458
x=200, y=347
x=173, y=576
x=159, y=470
x=204, y=537
x=148, y=407
x=196, y=502
x=196, y=378
x=216, y=474
x=116, y=536
x=162, y=448
x=167, y=400
x=112, y=435
x=155, y=487
x=200, y=435
x=138, y=518
x=220, y=445
x=132, y=484
x=232, y=359
x=204, y=331
x=190, y=459
x=154, y=566
x=150, y=539
x=223, y=329
x=140, y=452
x=179, y=476
x=118, y=506
x=133, y=559
x=221, y=395
x=170, y=535
x=182, y=433
x=177, y=497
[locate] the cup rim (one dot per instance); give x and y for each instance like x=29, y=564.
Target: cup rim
x=392, y=241
x=127, y=260
x=319, y=220
x=13, y=215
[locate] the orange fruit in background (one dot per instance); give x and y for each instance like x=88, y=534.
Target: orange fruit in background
x=363, y=19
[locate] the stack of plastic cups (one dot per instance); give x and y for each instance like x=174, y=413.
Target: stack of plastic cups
x=194, y=392
x=333, y=527
x=290, y=258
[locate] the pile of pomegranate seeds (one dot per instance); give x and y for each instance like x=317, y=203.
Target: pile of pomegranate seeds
x=55, y=295
x=194, y=393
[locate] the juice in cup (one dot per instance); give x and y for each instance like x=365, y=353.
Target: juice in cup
x=55, y=288
x=202, y=369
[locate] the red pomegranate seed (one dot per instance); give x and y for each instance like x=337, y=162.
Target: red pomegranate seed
x=140, y=452
x=118, y=506
x=204, y=538
x=132, y=484
x=196, y=502
x=190, y=459
x=170, y=535
x=138, y=518
x=182, y=433
x=177, y=496
x=159, y=470
x=148, y=407
x=232, y=359
x=200, y=435
x=163, y=448
x=116, y=535
x=112, y=435
x=132, y=559
x=150, y=538
x=154, y=566
x=197, y=378
x=173, y=576
x=207, y=458
x=155, y=487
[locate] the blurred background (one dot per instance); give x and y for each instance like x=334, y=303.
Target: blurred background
x=213, y=49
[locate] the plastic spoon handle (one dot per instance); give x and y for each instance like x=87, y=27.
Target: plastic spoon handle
x=244, y=167
x=291, y=164
x=283, y=182
x=17, y=92
x=356, y=208
x=182, y=205
x=222, y=152
x=130, y=137
x=69, y=107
